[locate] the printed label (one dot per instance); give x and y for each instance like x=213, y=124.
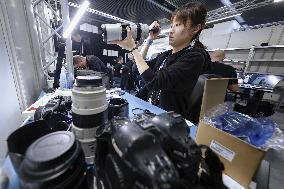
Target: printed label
x=222, y=150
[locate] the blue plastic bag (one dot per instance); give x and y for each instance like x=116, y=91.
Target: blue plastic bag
x=256, y=131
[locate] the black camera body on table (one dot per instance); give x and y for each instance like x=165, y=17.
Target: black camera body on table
x=152, y=151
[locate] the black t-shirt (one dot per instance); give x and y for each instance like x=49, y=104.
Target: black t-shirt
x=176, y=79
x=94, y=63
x=76, y=48
x=82, y=48
x=225, y=71
x=127, y=67
x=116, y=70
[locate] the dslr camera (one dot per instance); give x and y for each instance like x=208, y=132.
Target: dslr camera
x=152, y=151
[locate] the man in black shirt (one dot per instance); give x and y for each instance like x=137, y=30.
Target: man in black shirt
x=80, y=45
x=77, y=45
x=89, y=62
x=117, y=71
x=225, y=71
x=117, y=67
x=127, y=77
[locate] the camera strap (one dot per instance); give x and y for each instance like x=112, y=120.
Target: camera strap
x=154, y=97
x=164, y=63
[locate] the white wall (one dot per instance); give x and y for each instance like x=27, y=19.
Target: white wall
x=245, y=39
x=21, y=76
x=241, y=39
x=10, y=112
x=249, y=38
x=276, y=37
x=24, y=47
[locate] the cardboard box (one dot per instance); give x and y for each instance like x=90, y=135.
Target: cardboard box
x=241, y=159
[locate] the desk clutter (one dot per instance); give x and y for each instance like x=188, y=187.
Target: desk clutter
x=96, y=138
x=259, y=94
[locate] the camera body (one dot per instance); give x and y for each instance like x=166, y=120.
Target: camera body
x=56, y=110
x=152, y=151
x=118, y=31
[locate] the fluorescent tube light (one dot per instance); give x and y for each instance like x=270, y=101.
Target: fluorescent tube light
x=93, y=11
x=239, y=14
x=276, y=1
x=75, y=20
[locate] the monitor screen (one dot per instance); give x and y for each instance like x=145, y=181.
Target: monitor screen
x=267, y=81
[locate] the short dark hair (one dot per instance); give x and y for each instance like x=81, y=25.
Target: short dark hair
x=119, y=58
x=76, y=32
x=195, y=12
x=77, y=59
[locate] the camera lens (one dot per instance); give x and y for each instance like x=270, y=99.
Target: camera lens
x=118, y=32
x=89, y=111
x=118, y=107
x=55, y=160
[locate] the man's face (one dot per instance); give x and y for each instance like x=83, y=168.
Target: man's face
x=217, y=56
x=81, y=63
x=77, y=38
x=120, y=61
x=180, y=34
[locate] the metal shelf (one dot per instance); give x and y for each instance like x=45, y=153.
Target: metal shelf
x=255, y=47
x=251, y=53
x=267, y=60
x=265, y=73
x=242, y=61
x=229, y=49
x=272, y=46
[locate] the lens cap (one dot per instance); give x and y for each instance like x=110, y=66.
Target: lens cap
x=89, y=80
x=50, y=155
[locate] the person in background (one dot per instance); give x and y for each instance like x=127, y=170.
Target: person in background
x=226, y=71
x=138, y=81
x=80, y=46
x=127, y=77
x=171, y=76
x=110, y=72
x=90, y=62
x=117, y=66
x=117, y=71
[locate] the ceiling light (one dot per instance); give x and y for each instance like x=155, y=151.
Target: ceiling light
x=75, y=20
x=276, y=1
x=100, y=13
x=223, y=18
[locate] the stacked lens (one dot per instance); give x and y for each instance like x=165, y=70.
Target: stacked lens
x=89, y=111
x=54, y=161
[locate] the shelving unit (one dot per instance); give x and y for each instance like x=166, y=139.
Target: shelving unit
x=256, y=59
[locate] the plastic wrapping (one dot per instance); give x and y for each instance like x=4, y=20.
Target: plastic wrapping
x=276, y=141
x=260, y=132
